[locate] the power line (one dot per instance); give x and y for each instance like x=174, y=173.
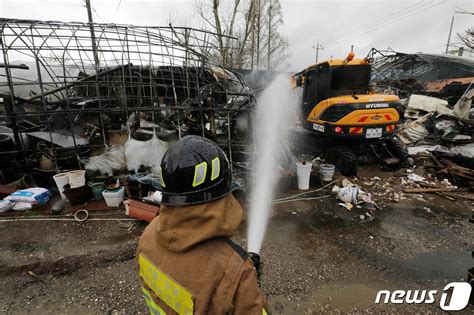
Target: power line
x=376, y=27
x=388, y=21
x=402, y=14
x=377, y=21
x=118, y=6
x=366, y=25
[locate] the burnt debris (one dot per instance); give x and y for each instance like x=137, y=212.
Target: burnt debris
x=68, y=93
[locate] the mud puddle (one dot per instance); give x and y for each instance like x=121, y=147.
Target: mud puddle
x=442, y=264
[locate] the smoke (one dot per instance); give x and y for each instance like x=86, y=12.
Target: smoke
x=274, y=116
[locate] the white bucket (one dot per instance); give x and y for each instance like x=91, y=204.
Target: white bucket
x=113, y=198
x=327, y=171
x=77, y=178
x=303, y=172
x=61, y=180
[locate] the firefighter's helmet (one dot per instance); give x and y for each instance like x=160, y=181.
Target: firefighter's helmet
x=194, y=171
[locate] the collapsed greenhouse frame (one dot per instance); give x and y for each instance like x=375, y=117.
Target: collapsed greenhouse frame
x=106, y=77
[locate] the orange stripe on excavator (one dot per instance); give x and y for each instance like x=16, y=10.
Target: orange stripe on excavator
x=388, y=117
x=363, y=118
x=356, y=130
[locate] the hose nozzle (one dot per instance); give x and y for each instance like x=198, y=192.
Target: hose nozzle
x=256, y=262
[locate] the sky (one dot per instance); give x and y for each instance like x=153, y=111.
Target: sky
x=403, y=25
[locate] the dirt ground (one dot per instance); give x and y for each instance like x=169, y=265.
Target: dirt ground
x=316, y=258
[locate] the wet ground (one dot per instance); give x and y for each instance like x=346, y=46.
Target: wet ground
x=313, y=261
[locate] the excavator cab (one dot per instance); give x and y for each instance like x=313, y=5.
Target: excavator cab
x=339, y=101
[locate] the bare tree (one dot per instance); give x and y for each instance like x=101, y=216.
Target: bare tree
x=229, y=19
x=270, y=48
x=257, y=38
x=467, y=38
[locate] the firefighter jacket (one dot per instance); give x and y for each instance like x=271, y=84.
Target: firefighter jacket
x=188, y=264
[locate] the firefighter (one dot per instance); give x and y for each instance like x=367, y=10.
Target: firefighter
x=186, y=260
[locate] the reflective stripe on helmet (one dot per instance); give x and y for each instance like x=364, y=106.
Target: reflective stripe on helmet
x=165, y=288
x=162, y=180
x=200, y=172
x=216, y=168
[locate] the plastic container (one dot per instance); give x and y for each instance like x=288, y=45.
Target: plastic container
x=78, y=195
x=327, y=171
x=303, y=172
x=140, y=210
x=113, y=198
x=348, y=194
x=77, y=178
x=97, y=189
x=61, y=180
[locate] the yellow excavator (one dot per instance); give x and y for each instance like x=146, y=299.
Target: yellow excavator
x=347, y=120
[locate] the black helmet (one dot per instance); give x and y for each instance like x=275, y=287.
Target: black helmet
x=195, y=170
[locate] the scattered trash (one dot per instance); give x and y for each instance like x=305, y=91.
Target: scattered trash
x=81, y=215
x=154, y=197
x=57, y=207
x=463, y=105
x=346, y=205
x=416, y=178
x=5, y=205
x=30, y=195
x=131, y=156
x=415, y=130
x=22, y=206
x=32, y=274
x=348, y=194
x=420, y=105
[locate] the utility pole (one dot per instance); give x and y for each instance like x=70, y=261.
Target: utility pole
x=318, y=47
x=451, y=28
x=449, y=36
x=91, y=27
x=269, y=34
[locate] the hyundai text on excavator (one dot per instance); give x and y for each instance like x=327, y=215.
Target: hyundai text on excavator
x=345, y=119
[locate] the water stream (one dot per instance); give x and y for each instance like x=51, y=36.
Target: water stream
x=275, y=114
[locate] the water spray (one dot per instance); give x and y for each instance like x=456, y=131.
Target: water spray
x=274, y=116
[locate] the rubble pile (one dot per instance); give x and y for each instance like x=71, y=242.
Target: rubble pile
x=433, y=128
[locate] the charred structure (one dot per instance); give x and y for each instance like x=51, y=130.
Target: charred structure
x=74, y=90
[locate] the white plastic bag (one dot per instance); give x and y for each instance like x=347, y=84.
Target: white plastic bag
x=22, y=206
x=5, y=205
x=147, y=153
x=109, y=161
x=30, y=195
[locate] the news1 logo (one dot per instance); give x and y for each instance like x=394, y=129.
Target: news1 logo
x=455, y=296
